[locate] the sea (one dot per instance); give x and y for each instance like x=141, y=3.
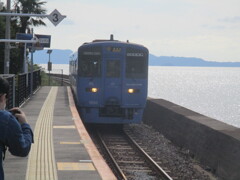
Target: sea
x=211, y=91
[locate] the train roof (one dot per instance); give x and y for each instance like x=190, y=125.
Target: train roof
x=111, y=40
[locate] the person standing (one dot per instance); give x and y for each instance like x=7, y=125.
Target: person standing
x=15, y=133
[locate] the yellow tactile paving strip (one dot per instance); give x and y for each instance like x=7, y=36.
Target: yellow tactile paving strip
x=64, y=127
x=41, y=163
x=70, y=142
x=74, y=166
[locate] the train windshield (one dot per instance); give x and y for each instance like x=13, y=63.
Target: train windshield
x=113, y=68
x=90, y=62
x=136, y=64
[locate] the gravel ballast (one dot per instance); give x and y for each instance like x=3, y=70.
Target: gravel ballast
x=178, y=162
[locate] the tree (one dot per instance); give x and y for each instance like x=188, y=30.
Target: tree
x=24, y=23
x=30, y=6
x=20, y=25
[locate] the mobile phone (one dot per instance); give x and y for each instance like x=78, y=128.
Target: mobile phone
x=14, y=112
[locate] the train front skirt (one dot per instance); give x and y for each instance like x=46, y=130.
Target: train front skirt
x=111, y=115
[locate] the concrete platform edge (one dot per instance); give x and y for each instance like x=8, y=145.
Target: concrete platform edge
x=103, y=169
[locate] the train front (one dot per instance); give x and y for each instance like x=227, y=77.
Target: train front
x=112, y=82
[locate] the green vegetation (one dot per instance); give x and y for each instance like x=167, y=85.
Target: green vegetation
x=20, y=25
x=45, y=80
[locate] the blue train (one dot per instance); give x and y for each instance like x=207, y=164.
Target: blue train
x=109, y=79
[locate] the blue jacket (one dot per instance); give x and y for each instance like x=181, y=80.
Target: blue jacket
x=17, y=138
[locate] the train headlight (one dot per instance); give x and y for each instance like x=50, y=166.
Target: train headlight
x=93, y=90
x=131, y=91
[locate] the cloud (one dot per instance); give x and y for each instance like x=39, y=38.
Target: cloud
x=235, y=19
x=214, y=27
x=204, y=29
x=67, y=22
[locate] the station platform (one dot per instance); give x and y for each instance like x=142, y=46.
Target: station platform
x=62, y=148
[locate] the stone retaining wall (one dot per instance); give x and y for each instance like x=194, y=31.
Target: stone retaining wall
x=213, y=143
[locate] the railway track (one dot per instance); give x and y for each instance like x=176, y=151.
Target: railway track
x=128, y=159
x=63, y=79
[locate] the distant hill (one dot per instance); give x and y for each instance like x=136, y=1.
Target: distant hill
x=59, y=56
x=186, y=61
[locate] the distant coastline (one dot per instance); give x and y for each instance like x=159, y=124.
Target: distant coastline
x=59, y=56
x=187, y=61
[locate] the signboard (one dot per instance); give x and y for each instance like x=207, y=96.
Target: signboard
x=24, y=36
x=55, y=17
x=44, y=40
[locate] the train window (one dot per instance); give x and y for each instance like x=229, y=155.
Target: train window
x=113, y=68
x=136, y=65
x=89, y=63
x=90, y=68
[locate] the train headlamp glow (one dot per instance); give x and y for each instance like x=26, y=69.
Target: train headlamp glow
x=130, y=91
x=94, y=90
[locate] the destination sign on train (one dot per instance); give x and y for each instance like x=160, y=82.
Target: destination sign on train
x=91, y=53
x=135, y=54
x=114, y=49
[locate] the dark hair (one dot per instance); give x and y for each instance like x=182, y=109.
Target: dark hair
x=4, y=86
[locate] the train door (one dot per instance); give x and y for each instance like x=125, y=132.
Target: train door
x=112, y=96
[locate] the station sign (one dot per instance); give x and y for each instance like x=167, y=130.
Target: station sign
x=23, y=36
x=44, y=40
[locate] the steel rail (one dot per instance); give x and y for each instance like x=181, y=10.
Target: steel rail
x=63, y=80
x=119, y=171
x=158, y=169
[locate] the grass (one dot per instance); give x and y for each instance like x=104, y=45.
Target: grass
x=45, y=80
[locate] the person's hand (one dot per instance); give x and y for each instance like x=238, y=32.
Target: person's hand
x=19, y=114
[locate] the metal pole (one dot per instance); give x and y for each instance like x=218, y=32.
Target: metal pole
x=14, y=91
x=49, y=66
x=32, y=72
x=26, y=15
x=49, y=71
x=18, y=40
x=62, y=77
x=7, y=44
x=25, y=65
x=25, y=70
x=32, y=51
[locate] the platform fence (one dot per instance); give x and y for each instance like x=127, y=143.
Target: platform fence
x=20, y=87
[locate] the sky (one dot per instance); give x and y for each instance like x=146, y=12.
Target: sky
x=208, y=29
